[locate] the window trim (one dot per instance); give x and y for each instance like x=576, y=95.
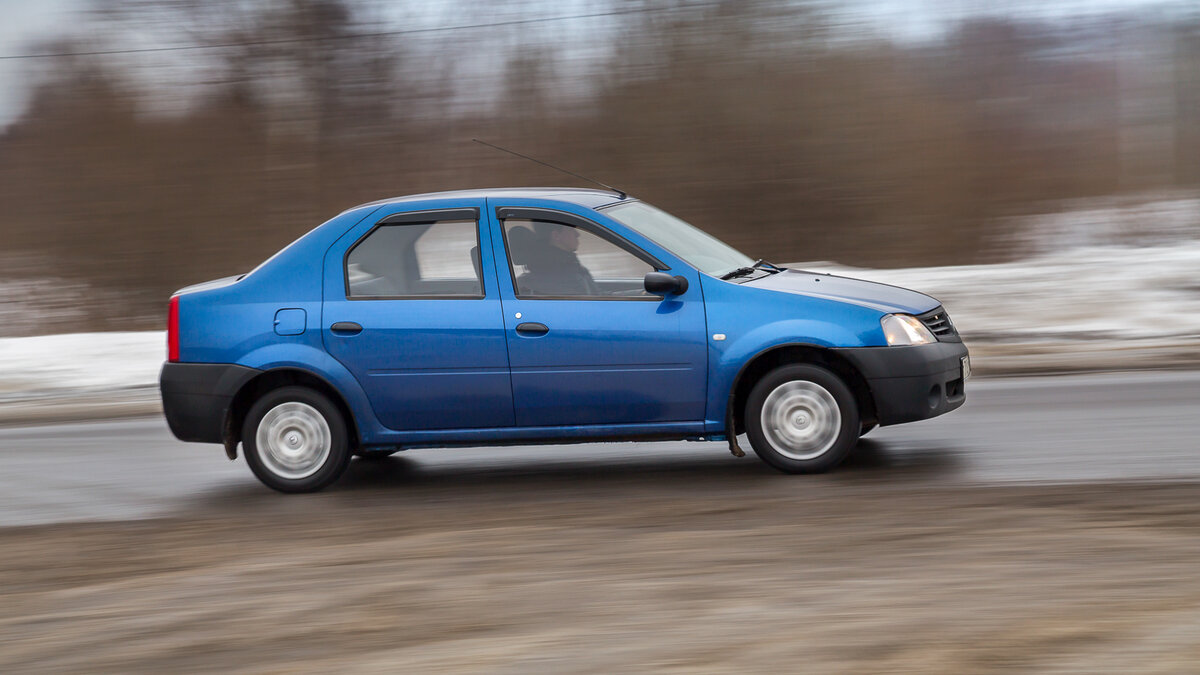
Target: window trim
x=504, y=213
x=419, y=218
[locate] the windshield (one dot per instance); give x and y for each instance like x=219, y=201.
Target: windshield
x=699, y=249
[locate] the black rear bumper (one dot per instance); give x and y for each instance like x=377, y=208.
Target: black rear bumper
x=196, y=397
x=912, y=383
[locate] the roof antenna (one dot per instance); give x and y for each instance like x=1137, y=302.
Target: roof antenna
x=620, y=193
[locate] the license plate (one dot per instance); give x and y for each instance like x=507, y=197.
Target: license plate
x=966, y=368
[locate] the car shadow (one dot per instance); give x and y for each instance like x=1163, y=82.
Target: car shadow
x=876, y=458
x=561, y=473
x=516, y=468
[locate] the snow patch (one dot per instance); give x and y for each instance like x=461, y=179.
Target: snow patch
x=79, y=363
x=1112, y=283
x=1093, y=293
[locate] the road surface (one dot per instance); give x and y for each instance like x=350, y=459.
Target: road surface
x=1049, y=526
x=1098, y=427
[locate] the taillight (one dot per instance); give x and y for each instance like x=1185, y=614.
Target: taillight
x=173, y=330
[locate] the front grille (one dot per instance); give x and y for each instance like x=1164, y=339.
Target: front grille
x=938, y=323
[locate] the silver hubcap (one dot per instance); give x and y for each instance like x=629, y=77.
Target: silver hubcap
x=293, y=440
x=801, y=419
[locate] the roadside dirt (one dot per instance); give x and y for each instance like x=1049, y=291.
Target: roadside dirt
x=575, y=572
x=83, y=406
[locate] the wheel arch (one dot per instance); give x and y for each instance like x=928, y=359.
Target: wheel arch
x=273, y=379
x=773, y=357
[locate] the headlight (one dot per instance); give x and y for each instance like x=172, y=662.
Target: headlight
x=904, y=329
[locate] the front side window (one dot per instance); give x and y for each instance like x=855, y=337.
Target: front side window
x=416, y=260
x=555, y=260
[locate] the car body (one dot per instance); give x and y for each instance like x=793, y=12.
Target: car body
x=514, y=316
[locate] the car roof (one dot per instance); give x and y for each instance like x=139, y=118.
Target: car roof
x=584, y=197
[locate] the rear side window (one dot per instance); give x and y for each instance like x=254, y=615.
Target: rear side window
x=438, y=259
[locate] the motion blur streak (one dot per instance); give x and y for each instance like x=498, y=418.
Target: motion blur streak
x=1035, y=164
x=794, y=130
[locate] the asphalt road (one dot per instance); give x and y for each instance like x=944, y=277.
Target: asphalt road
x=1099, y=427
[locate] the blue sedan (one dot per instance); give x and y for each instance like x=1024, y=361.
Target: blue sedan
x=532, y=315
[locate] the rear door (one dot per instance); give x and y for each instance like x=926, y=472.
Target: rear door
x=586, y=343
x=412, y=309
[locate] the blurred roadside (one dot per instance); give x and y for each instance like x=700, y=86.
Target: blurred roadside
x=1112, y=287
x=1110, y=284
x=148, y=157
x=1036, y=169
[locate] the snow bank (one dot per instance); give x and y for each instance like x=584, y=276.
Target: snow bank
x=1098, y=302
x=1103, y=273
x=1115, y=284
x=79, y=363
x=1089, y=294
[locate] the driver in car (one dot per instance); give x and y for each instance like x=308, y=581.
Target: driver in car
x=556, y=268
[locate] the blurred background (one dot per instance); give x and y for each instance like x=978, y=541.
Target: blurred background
x=150, y=144
x=1034, y=164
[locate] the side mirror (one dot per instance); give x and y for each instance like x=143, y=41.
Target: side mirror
x=661, y=283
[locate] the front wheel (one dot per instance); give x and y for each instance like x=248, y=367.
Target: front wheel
x=296, y=440
x=802, y=419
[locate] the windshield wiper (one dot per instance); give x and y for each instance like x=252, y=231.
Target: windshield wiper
x=757, y=265
x=739, y=272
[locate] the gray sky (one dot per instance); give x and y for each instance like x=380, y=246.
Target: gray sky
x=916, y=19
x=26, y=23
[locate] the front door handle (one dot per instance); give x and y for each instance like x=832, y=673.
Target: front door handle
x=345, y=328
x=531, y=328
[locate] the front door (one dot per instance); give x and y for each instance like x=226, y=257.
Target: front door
x=586, y=343
x=412, y=310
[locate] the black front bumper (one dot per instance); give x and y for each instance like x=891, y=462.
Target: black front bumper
x=912, y=383
x=196, y=397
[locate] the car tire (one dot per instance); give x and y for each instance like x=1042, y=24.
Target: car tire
x=295, y=440
x=802, y=419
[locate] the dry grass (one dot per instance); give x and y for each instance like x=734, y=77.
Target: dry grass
x=533, y=575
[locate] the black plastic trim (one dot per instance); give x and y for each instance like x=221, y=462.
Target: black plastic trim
x=594, y=298
x=911, y=361
x=431, y=216
x=952, y=337
x=196, y=397
x=911, y=383
x=455, y=296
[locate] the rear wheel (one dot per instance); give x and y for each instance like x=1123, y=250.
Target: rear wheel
x=802, y=419
x=296, y=440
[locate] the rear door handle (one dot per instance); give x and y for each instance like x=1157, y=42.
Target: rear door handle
x=531, y=328
x=345, y=328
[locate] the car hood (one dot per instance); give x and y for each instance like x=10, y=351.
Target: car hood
x=877, y=296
